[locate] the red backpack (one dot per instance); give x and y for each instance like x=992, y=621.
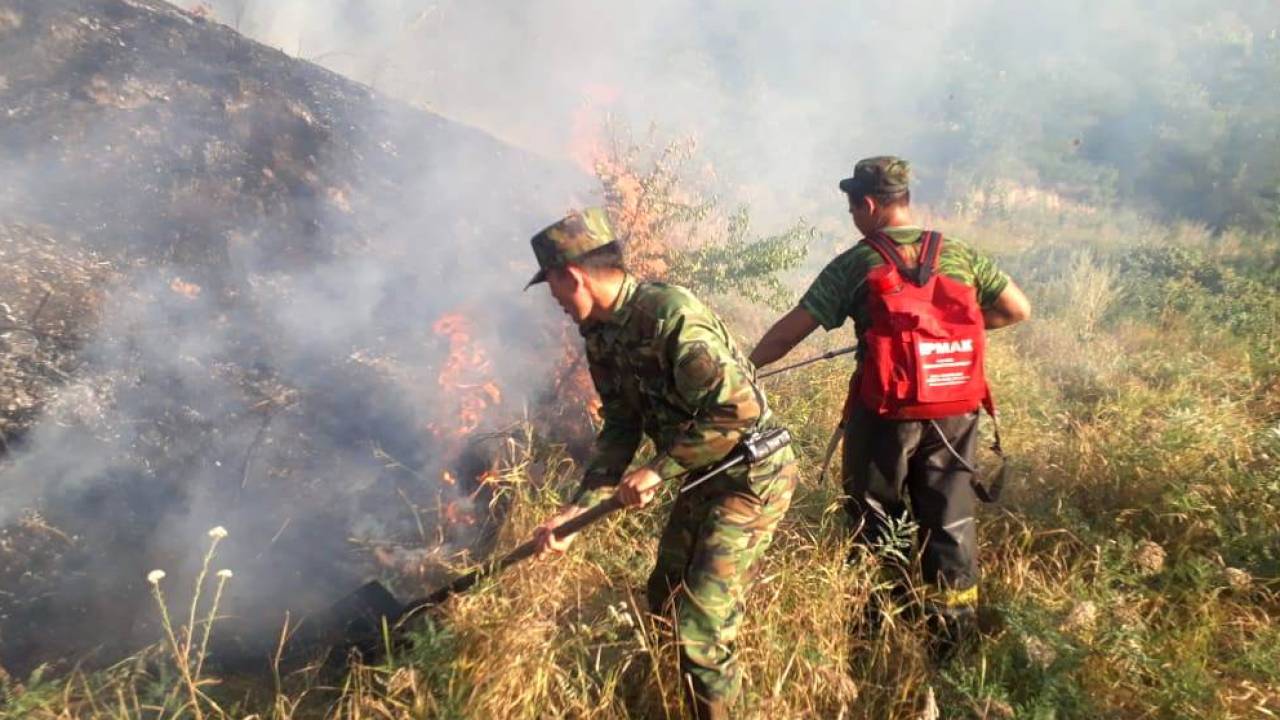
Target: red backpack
x=925, y=347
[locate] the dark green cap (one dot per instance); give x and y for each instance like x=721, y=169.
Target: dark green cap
x=569, y=239
x=883, y=175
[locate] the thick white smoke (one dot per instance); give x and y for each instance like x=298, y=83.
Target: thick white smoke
x=785, y=96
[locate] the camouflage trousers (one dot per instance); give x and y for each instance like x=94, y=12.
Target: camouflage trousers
x=706, y=559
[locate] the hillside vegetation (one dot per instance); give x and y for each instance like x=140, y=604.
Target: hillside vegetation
x=238, y=288
x=1131, y=569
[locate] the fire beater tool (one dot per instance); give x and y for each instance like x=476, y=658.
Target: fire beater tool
x=371, y=614
x=824, y=356
x=835, y=435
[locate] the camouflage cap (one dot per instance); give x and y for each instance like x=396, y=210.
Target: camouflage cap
x=882, y=175
x=569, y=239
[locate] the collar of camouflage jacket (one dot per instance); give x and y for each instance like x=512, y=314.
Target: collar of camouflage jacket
x=621, y=310
x=903, y=234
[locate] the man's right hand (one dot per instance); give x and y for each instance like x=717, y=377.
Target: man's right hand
x=546, y=542
x=783, y=336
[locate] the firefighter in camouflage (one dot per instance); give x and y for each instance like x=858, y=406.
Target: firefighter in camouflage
x=666, y=367
x=899, y=468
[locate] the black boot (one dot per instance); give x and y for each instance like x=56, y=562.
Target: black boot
x=706, y=709
x=951, y=631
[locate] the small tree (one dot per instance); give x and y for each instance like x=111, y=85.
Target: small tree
x=674, y=231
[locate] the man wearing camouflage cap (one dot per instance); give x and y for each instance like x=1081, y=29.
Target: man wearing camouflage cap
x=892, y=463
x=666, y=367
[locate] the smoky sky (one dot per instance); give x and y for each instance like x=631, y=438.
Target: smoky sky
x=784, y=97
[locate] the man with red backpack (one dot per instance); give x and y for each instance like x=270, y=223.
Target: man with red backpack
x=920, y=305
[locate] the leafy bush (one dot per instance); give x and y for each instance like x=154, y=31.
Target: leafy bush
x=676, y=232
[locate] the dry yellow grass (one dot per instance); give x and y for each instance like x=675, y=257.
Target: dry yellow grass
x=1131, y=570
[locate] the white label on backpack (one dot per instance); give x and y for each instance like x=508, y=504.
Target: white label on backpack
x=945, y=363
x=947, y=347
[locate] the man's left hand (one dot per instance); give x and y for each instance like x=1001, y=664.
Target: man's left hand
x=639, y=487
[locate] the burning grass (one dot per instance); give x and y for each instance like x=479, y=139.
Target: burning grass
x=1130, y=571
x=229, y=318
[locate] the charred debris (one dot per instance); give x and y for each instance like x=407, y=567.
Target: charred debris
x=239, y=290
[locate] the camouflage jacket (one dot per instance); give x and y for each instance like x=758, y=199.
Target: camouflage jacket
x=665, y=366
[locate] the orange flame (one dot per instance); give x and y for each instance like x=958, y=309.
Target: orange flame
x=572, y=385
x=455, y=513
x=465, y=374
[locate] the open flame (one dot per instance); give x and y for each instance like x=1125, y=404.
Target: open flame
x=640, y=184
x=466, y=376
x=457, y=512
x=571, y=385
x=465, y=397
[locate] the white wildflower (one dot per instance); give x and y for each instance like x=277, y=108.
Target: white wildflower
x=225, y=574
x=217, y=533
x=620, y=615
x=155, y=576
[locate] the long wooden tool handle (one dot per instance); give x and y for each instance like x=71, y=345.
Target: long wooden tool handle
x=568, y=527
x=824, y=356
x=522, y=552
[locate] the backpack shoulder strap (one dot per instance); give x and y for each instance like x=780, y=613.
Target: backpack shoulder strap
x=887, y=248
x=930, y=251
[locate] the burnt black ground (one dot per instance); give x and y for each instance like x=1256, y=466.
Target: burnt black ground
x=274, y=244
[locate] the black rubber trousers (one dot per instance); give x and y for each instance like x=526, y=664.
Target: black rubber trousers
x=895, y=469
